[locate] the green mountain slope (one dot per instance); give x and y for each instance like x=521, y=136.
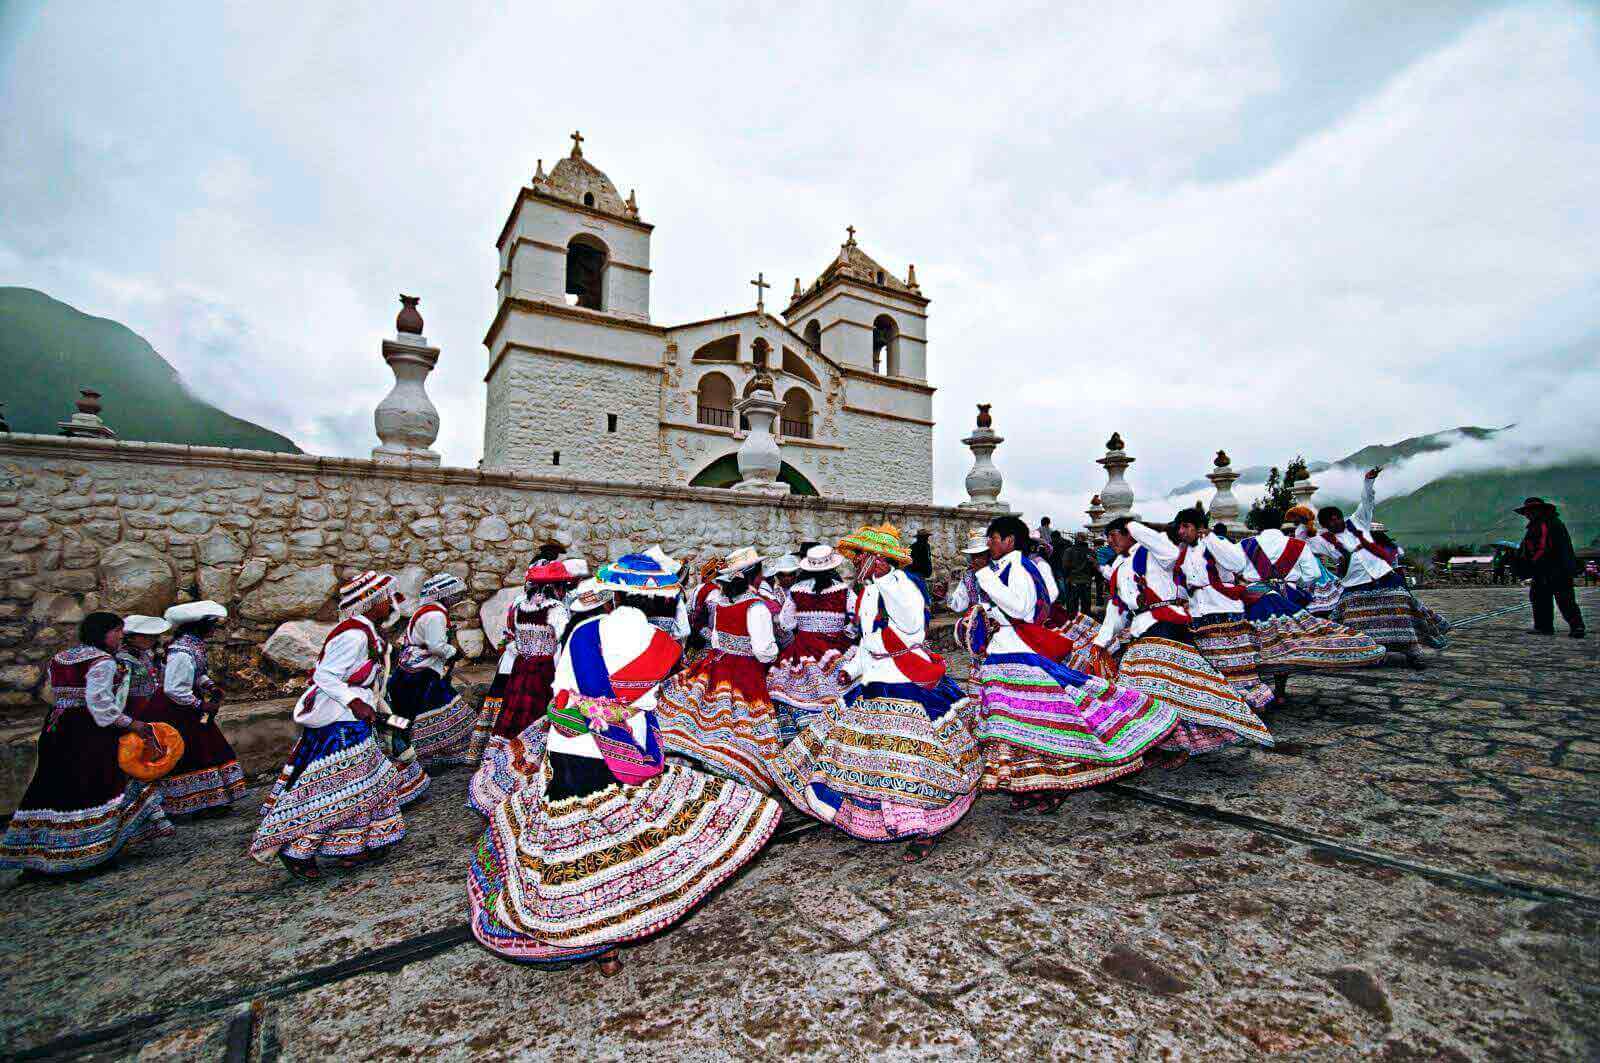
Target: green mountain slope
x=1476, y=507
x=48, y=350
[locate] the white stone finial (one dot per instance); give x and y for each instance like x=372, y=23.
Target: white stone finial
x=984, y=480
x=760, y=459
x=1224, y=506
x=1097, y=522
x=1116, y=495
x=406, y=420
x=86, y=422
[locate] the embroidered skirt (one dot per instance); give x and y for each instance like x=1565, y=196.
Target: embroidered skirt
x=516, y=699
x=208, y=774
x=718, y=714
x=441, y=720
x=337, y=796
x=1049, y=709
x=1290, y=639
x=80, y=810
x=1212, y=715
x=882, y=767
x=1227, y=641
x=1388, y=613
x=804, y=681
x=508, y=765
x=568, y=877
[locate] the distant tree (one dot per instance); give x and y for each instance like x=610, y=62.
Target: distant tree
x=1268, y=510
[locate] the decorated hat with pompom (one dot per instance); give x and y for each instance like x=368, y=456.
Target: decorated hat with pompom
x=882, y=540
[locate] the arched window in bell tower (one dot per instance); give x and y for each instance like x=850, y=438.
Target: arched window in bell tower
x=760, y=353
x=814, y=336
x=586, y=272
x=885, y=346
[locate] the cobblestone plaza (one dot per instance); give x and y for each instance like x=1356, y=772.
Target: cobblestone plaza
x=1412, y=873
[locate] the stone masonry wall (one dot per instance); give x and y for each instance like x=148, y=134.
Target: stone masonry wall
x=132, y=527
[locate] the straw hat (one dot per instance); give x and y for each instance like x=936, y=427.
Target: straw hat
x=821, y=559
x=741, y=560
x=138, y=624
x=587, y=597
x=189, y=612
x=777, y=566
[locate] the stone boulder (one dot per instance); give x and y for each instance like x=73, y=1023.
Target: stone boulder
x=136, y=578
x=298, y=594
x=408, y=581
x=492, y=615
x=296, y=644
x=472, y=643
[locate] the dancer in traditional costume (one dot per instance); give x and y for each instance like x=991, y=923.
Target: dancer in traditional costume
x=892, y=759
x=80, y=810
x=1375, y=600
x=613, y=844
x=804, y=680
x=141, y=652
x=717, y=711
x=1300, y=522
x=778, y=575
x=1148, y=617
x=338, y=796
x=1046, y=728
x=1284, y=573
x=208, y=778
x=1207, y=570
x=521, y=687
x=424, y=707
x=509, y=765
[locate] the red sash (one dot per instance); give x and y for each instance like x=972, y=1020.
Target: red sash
x=1233, y=591
x=1168, y=612
x=925, y=671
x=374, y=650
x=1279, y=569
x=430, y=607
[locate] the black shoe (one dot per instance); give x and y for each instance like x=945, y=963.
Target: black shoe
x=1579, y=633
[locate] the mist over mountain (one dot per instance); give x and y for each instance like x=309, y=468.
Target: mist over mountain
x=49, y=350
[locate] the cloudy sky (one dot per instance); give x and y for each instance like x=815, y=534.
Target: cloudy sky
x=1273, y=228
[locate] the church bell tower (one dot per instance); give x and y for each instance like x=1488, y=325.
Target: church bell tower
x=574, y=372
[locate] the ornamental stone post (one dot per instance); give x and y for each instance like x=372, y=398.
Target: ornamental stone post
x=984, y=480
x=1224, y=506
x=406, y=420
x=760, y=460
x=86, y=423
x=1116, y=495
x=1097, y=522
x=1302, y=490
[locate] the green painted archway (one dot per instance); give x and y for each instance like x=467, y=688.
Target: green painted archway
x=724, y=472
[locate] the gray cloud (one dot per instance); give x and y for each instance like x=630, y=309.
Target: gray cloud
x=1203, y=225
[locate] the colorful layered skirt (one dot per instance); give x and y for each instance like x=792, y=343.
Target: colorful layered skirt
x=516, y=699
x=1228, y=642
x=804, y=680
x=1047, y=726
x=717, y=713
x=337, y=796
x=441, y=720
x=1388, y=613
x=1212, y=715
x=80, y=810
x=208, y=774
x=886, y=762
x=508, y=765
x=581, y=863
x=1290, y=639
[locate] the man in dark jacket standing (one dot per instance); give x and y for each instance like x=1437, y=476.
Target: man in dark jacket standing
x=1547, y=557
x=1081, y=572
x=921, y=556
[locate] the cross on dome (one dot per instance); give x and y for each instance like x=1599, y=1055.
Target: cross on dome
x=577, y=144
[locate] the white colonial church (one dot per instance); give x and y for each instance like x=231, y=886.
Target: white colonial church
x=582, y=383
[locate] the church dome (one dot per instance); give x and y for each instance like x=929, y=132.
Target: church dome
x=575, y=180
x=855, y=264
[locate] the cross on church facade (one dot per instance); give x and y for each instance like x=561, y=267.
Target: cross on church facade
x=577, y=144
x=761, y=286
x=851, y=229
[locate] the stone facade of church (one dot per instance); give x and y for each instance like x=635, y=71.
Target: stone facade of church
x=582, y=383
